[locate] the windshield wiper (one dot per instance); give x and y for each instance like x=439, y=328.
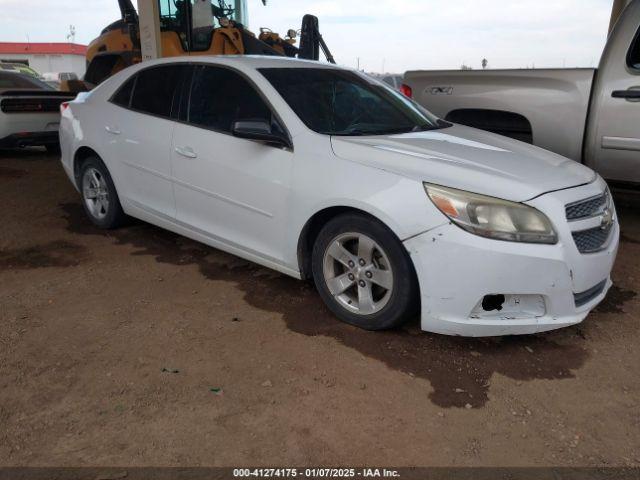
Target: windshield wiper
x=355, y=132
x=358, y=132
x=361, y=132
x=426, y=128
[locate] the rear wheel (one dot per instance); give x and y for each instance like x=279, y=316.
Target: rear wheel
x=364, y=274
x=99, y=197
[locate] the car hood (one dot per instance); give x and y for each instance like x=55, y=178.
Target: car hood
x=467, y=159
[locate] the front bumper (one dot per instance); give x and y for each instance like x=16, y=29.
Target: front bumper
x=545, y=286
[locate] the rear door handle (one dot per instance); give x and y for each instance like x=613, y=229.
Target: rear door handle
x=628, y=94
x=186, y=152
x=112, y=130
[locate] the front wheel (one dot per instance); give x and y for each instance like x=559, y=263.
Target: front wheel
x=364, y=274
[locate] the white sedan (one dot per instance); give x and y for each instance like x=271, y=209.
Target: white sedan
x=322, y=172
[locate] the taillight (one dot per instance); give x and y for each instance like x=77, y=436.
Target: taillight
x=406, y=90
x=64, y=106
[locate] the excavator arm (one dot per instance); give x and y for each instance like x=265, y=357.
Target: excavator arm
x=311, y=41
x=127, y=11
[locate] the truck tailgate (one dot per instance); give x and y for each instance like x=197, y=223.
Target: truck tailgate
x=554, y=102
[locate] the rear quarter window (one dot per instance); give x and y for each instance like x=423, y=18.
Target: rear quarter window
x=633, y=57
x=122, y=97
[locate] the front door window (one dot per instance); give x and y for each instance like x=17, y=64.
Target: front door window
x=220, y=97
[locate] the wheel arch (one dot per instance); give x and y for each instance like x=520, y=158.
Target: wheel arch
x=314, y=224
x=82, y=154
x=106, y=64
x=503, y=122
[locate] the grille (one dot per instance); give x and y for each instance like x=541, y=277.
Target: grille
x=592, y=240
x=30, y=105
x=586, y=208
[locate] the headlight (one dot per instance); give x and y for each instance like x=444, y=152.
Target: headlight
x=492, y=217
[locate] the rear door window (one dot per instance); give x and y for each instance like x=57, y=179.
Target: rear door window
x=156, y=89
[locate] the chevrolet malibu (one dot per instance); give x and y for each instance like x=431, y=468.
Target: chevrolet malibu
x=323, y=173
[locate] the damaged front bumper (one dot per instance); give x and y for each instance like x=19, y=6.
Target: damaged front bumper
x=465, y=278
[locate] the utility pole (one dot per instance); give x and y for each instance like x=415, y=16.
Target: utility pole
x=71, y=36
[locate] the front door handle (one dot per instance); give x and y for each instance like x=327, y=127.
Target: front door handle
x=628, y=94
x=112, y=130
x=186, y=152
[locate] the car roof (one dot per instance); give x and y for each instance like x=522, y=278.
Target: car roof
x=250, y=61
x=34, y=83
x=13, y=73
x=15, y=66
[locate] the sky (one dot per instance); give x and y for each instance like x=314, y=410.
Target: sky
x=380, y=35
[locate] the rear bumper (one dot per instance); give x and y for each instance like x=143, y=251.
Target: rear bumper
x=456, y=270
x=30, y=139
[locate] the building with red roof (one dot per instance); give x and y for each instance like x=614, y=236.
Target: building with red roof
x=46, y=57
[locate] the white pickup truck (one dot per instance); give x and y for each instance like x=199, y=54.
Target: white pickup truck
x=591, y=116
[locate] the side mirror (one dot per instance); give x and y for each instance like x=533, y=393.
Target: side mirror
x=260, y=130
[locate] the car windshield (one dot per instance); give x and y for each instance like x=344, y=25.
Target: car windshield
x=14, y=80
x=341, y=102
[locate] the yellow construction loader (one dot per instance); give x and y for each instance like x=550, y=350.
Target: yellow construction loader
x=196, y=27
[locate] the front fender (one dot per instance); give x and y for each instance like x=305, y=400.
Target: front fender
x=398, y=202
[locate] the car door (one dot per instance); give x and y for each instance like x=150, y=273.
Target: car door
x=234, y=190
x=139, y=137
x=613, y=147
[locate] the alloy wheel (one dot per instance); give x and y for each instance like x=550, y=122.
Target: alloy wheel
x=95, y=193
x=358, y=273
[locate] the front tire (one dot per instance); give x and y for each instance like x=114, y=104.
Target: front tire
x=99, y=196
x=364, y=274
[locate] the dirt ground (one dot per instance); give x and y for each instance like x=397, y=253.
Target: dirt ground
x=139, y=347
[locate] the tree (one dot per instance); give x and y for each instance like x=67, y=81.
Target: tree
x=485, y=63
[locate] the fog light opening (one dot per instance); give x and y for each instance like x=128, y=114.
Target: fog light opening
x=509, y=307
x=492, y=302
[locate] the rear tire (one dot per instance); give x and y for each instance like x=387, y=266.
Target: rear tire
x=364, y=274
x=99, y=196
